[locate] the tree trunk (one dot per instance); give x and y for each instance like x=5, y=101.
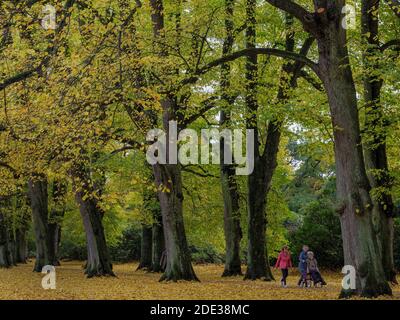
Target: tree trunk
x=375, y=146
x=257, y=261
x=21, y=250
x=5, y=261
x=179, y=266
x=146, y=248
x=54, y=234
x=158, y=243
x=98, y=257
x=232, y=229
x=57, y=212
x=361, y=249
x=39, y=204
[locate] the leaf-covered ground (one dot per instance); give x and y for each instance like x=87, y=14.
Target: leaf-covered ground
x=21, y=283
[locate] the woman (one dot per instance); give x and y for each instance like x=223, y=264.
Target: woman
x=303, y=266
x=313, y=270
x=284, y=262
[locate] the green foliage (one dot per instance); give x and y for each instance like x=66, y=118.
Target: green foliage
x=320, y=230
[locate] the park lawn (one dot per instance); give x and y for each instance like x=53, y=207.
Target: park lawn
x=21, y=283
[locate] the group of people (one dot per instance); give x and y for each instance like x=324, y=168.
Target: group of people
x=308, y=267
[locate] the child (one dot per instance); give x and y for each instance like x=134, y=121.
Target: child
x=312, y=269
x=303, y=266
x=284, y=262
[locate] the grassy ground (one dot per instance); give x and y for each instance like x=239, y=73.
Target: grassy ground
x=21, y=283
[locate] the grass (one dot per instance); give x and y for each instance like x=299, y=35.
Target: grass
x=21, y=283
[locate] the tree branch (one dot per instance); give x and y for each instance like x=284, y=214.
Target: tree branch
x=52, y=51
x=297, y=11
x=391, y=43
x=251, y=51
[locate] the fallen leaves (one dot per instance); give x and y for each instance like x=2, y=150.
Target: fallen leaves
x=21, y=283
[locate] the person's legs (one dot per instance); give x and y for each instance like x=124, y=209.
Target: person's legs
x=285, y=273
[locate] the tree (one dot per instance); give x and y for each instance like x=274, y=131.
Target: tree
x=354, y=201
x=232, y=229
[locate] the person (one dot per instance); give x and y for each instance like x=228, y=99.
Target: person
x=312, y=269
x=284, y=262
x=303, y=266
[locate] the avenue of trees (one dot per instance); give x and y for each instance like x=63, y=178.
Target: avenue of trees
x=317, y=80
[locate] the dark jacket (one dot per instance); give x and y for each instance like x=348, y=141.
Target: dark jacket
x=303, y=262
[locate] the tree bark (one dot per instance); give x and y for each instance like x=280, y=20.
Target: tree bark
x=179, y=266
x=98, y=257
x=232, y=229
x=21, y=250
x=56, y=215
x=158, y=242
x=37, y=187
x=375, y=146
x=146, y=248
x=5, y=261
x=361, y=249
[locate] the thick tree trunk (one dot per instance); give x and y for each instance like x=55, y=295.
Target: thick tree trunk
x=57, y=212
x=39, y=204
x=98, y=258
x=11, y=249
x=232, y=229
x=361, y=249
x=5, y=261
x=375, y=146
x=158, y=243
x=179, y=266
x=21, y=250
x=146, y=248
x=54, y=230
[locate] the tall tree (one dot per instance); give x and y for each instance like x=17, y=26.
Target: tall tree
x=87, y=197
x=45, y=254
x=232, y=229
x=375, y=154
x=169, y=178
x=360, y=244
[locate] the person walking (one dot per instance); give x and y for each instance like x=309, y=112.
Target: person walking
x=284, y=262
x=303, y=266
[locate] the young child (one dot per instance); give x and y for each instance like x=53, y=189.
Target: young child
x=284, y=262
x=303, y=266
x=312, y=269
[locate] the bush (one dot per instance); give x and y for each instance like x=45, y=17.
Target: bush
x=128, y=246
x=71, y=250
x=320, y=230
x=206, y=254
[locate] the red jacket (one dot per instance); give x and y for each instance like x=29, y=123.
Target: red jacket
x=284, y=261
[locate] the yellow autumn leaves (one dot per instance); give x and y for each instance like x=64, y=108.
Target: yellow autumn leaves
x=20, y=283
